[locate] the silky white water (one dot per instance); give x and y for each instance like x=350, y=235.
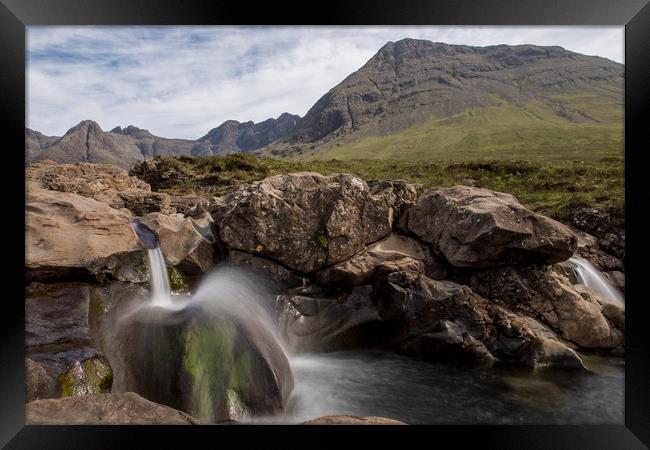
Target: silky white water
x=160, y=290
x=588, y=275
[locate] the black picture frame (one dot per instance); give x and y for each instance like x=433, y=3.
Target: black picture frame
x=15, y=15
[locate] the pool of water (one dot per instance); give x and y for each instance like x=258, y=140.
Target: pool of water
x=364, y=383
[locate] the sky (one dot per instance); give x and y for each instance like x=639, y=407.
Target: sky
x=182, y=81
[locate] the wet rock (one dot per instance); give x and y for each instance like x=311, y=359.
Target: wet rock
x=70, y=237
x=394, y=253
x=434, y=318
x=475, y=227
x=103, y=182
x=89, y=376
x=38, y=383
x=541, y=352
x=198, y=360
x=306, y=221
x=353, y=420
x=104, y=409
x=317, y=322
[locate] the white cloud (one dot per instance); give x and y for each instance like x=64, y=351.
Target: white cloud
x=183, y=81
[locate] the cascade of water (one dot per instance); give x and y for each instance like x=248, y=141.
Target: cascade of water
x=160, y=290
x=587, y=274
x=159, y=278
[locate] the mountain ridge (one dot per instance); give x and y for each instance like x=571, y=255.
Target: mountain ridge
x=413, y=99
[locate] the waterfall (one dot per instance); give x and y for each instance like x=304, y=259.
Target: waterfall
x=160, y=291
x=159, y=278
x=585, y=273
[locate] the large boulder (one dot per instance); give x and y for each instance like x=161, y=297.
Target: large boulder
x=475, y=227
x=396, y=252
x=73, y=237
x=103, y=182
x=104, y=409
x=541, y=292
x=187, y=243
x=306, y=221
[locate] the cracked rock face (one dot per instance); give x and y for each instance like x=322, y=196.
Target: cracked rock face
x=475, y=227
x=306, y=221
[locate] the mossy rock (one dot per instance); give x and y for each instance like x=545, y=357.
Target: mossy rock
x=91, y=376
x=176, y=280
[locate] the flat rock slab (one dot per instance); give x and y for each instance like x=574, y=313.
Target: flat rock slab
x=105, y=409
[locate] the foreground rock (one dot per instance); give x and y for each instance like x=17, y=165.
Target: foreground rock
x=201, y=360
x=77, y=238
x=104, y=409
x=353, y=420
x=475, y=227
x=103, y=182
x=305, y=221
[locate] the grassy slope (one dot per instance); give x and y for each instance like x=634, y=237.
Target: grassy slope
x=531, y=132
x=551, y=187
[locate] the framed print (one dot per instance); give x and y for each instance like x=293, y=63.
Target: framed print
x=243, y=223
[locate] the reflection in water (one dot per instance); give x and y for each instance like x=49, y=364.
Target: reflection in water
x=419, y=392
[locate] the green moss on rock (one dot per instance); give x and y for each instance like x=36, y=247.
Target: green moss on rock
x=176, y=280
x=92, y=376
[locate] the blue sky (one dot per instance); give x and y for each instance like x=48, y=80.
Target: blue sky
x=184, y=81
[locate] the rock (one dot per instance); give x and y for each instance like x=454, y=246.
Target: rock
x=73, y=237
x=186, y=243
x=265, y=266
x=104, y=409
x=617, y=279
x=591, y=220
x=57, y=315
x=396, y=252
x=397, y=194
x=103, y=182
x=613, y=244
x=305, y=221
x=540, y=292
x=434, y=318
x=611, y=310
x=475, y=227
x=38, y=383
x=542, y=352
x=443, y=319
x=200, y=360
x=316, y=322
x=90, y=376
x=191, y=205
x=353, y=420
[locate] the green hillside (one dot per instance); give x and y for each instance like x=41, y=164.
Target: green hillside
x=531, y=132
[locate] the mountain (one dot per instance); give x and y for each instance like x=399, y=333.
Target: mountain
x=125, y=146
x=232, y=136
x=416, y=98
